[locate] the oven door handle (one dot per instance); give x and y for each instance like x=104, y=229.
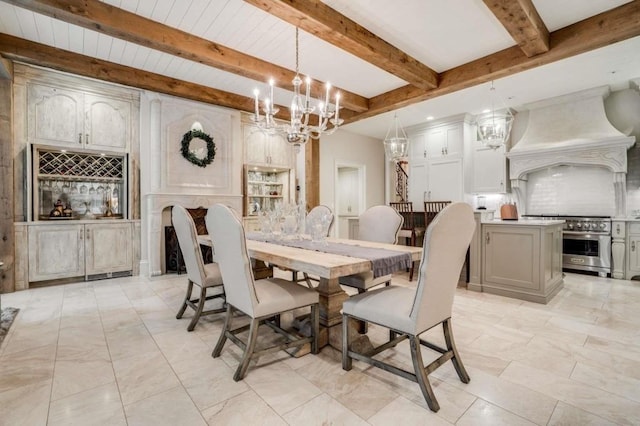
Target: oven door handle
x=586, y=235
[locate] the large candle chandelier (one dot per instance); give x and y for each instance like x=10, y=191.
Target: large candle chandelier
x=301, y=127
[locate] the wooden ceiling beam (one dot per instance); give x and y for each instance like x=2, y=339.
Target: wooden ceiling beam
x=318, y=19
x=592, y=33
x=17, y=49
x=106, y=19
x=521, y=19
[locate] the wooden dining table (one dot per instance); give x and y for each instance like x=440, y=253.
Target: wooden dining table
x=329, y=268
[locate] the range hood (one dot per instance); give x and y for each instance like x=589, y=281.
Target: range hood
x=571, y=130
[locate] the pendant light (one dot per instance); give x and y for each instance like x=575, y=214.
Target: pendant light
x=396, y=143
x=494, y=126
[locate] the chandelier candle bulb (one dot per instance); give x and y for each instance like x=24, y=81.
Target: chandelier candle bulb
x=308, y=91
x=337, y=106
x=320, y=109
x=256, y=93
x=271, y=83
x=326, y=104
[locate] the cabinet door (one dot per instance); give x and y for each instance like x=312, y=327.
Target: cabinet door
x=489, y=170
x=107, y=123
x=454, y=142
x=445, y=180
x=56, y=251
x=280, y=152
x=511, y=256
x=54, y=116
x=108, y=248
x=255, y=145
x=436, y=142
x=417, y=148
x=418, y=184
x=633, y=250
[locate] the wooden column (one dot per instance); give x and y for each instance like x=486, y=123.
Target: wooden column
x=312, y=173
x=6, y=179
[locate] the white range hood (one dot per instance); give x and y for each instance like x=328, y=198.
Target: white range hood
x=571, y=130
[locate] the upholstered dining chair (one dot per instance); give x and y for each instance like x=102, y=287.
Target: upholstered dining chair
x=261, y=300
x=409, y=312
x=206, y=276
x=380, y=224
x=409, y=231
x=316, y=215
x=432, y=208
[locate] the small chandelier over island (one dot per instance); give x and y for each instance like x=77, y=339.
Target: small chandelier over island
x=301, y=126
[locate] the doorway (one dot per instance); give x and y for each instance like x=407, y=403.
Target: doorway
x=349, y=194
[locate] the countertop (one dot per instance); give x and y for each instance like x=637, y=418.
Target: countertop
x=524, y=222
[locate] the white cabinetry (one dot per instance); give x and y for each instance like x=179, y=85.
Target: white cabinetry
x=108, y=248
x=56, y=251
x=445, y=141
x=489, y=169
x=436, y=161
x=96, y=250
x=65, y=117
x=617, y=248
x=266, y=150
x=633, y=250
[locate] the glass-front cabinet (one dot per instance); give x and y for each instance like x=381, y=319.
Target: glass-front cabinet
x=71, y=185
x=264, y=187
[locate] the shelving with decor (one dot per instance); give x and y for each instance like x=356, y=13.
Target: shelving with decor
x=89, y=185
x=264, y=188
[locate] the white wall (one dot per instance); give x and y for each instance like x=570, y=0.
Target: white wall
x=347, y=148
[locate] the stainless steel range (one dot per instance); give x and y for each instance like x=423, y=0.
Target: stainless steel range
x=586, y=243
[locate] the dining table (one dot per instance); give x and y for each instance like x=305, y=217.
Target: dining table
x=317, y=260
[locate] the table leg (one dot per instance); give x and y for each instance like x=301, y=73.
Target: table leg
x=331, y=298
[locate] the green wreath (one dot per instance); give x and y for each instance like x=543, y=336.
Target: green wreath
x=190, y=156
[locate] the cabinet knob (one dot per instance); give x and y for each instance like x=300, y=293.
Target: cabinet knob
x=424, y=154
x=88, y=234
x=633, y=246
x=80, y=138
x=618, y=228
x=487, y=238
x=86, y=138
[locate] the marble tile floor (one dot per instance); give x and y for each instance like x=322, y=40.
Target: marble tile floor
x=112, y=353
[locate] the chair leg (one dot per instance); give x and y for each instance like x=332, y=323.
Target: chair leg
x=223, y=335
x=363, y=328
x=411, y=271
x=186, y=299
x=308, y=281
x=248, y=351
x=346, y=359
x=315, y=327
x=196, y=316
x=421, y=375
x=451, y=346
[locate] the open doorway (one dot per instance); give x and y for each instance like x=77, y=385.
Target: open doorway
x=349, y=195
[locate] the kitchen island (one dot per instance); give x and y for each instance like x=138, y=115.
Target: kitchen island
x=521, y=259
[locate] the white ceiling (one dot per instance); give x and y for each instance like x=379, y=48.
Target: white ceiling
x=439, y=33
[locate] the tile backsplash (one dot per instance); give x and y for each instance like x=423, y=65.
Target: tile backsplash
x=571, y=190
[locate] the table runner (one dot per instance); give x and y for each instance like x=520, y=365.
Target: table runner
x=383, y=261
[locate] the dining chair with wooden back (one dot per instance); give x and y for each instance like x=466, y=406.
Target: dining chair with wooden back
x=261, y=300
x=409, y=231
x=431, y=209
x=206, y=276
x=409, y=312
